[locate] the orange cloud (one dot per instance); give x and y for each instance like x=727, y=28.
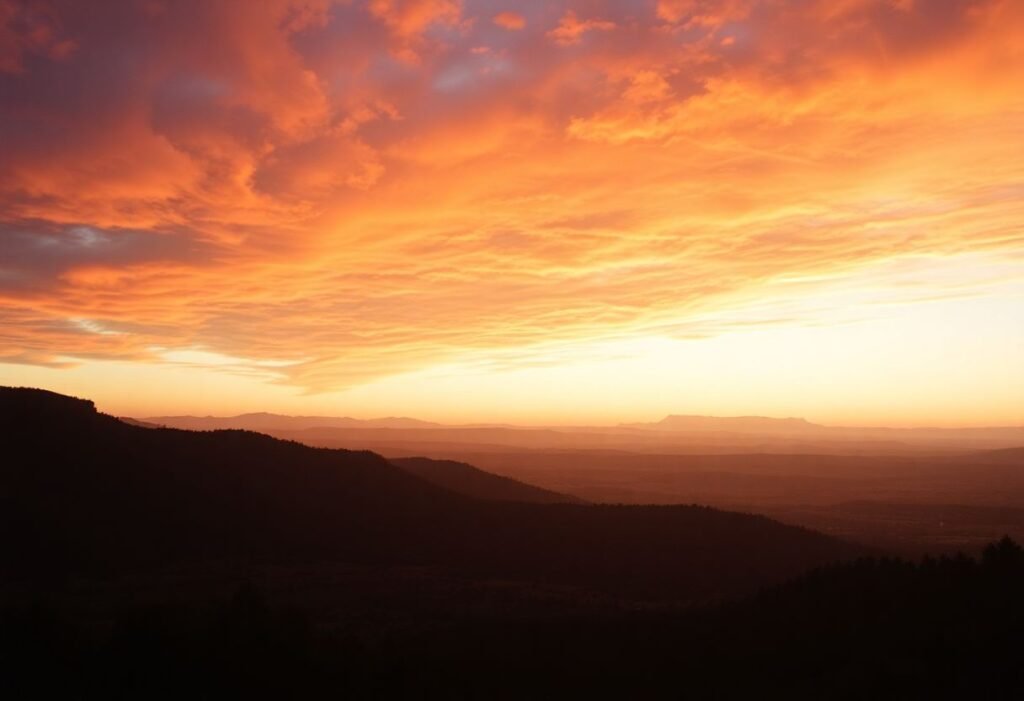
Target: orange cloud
x=510, y=20
x=411, y=17
x=703, y=13
x=570, y=29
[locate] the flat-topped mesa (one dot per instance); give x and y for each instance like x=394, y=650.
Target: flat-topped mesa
x=760, y=424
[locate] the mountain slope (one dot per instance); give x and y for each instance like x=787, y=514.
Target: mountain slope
x=469, y=481
x=84, y=491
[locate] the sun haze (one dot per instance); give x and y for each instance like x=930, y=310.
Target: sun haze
x=530, y=212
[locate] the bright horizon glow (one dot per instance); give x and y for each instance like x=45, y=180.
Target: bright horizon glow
x=467, y=212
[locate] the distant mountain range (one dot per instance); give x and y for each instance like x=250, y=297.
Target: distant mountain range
x=261, y=421
x=798, y=426
x=803, y=473
x=676, y=433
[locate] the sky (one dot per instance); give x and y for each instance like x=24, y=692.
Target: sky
x=536, y=212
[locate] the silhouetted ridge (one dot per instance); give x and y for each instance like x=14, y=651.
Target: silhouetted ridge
x=96, y=491
x=84, y=491
x=30, y=405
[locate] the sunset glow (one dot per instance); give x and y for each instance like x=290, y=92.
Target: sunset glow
x=559, y=212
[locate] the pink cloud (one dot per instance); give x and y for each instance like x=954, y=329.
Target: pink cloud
x=30, y=29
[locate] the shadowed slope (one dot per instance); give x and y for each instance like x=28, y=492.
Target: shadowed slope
x=469, y=481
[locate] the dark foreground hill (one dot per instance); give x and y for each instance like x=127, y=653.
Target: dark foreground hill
x=85, y=493
x=951, y=628
x=154, y=563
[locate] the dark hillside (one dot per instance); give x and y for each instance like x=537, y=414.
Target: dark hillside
x=949, y=628
x=86, y=492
